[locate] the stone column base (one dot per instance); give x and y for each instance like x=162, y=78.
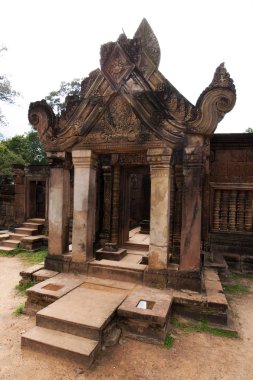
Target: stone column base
x=190, y=280
x=79, y=267
x=58, y=263
x=156, y=278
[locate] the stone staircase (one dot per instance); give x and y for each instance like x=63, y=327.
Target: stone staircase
x=74, y=326
x=29, y=235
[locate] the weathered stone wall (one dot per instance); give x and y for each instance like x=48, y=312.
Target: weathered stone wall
x=232, y=158
x=7, y=190
x=231, y=199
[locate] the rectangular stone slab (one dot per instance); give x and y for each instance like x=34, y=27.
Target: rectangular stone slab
x=87, y=307
x=56, y=342
x=66, y=281
x=158, y=314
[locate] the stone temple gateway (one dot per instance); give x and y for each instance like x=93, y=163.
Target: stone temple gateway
x=135, y=153
x=129, y=120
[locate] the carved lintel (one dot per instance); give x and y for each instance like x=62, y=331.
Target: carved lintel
x=133, y=159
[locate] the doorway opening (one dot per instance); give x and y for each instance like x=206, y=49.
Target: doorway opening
x=136, y=205
x=37, y=199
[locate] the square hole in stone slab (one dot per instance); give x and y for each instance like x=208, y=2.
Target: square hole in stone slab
x=53, y=287
x=143, y=304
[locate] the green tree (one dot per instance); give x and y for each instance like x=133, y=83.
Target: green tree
x=249, y=130
x=21, y=149
x=7, y=94
x=57, y=99
x=7, y=158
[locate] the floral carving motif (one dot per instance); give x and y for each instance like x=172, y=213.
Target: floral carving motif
x=118, y=124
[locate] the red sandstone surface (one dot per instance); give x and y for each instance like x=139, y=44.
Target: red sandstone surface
x=193, y=356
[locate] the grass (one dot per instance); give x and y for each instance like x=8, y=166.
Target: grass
x=242, y=276
x=19, y=310
x=203, y=326
x=33, y=257
x=21, y=288
x=234, y=289
x=30, y=257
x=168, y=342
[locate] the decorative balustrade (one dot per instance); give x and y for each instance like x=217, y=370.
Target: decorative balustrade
x=232, y=209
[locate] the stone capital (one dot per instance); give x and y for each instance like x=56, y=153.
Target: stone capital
x=194, y=151
x=160, y=157
x=59, y=160
x=84, y=159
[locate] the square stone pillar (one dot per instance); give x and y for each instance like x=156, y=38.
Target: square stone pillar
x=59, y=183
x=84, y=210
x=190, y=247
x=160, y=161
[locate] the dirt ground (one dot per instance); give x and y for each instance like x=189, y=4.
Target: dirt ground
x=194, y=355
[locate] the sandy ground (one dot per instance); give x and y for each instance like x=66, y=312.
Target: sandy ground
x=193, y=356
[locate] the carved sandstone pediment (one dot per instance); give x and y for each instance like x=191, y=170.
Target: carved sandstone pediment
x=128, y=101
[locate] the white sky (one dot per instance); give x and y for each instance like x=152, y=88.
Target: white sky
x=50, y=41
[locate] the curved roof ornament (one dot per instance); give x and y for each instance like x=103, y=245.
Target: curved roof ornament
x=214, y=102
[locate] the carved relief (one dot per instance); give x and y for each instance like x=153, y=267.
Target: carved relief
x=150, y=52
x=118, y=124
x=117, y=67
x=133, y=159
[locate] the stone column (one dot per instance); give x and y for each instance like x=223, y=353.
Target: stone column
x=177, y=214
x=192, y=204
x=59, y=183
x=160, y=161
x=107, y=202
x=84, y=209
x=115, y=204
x=19, y=208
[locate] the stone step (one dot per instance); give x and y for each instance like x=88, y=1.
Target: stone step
x=122, y=271
x=84, y=312
x=36, y=226
x=26, y=231
x=36, y=220
x=4, y=236
x=33, y=242
x=69, y=346
x=5, y=249
x=17, y=236
x=10, y=243
x=50, y=290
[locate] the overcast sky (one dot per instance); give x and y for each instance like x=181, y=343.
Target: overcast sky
x=51, y=41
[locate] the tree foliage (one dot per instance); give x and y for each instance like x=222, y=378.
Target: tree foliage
x=57, y=99
x=7, y=94
x=249, y=130
x=21, y=149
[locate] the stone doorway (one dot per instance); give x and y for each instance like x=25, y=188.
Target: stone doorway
x=37, y=199
x=135, y=205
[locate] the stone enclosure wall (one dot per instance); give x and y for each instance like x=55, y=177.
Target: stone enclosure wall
x=7, y=195
x=231, y=198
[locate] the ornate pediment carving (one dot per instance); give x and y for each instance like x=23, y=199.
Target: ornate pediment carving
x=118, y=125
x=117, y=67
x=130, y=102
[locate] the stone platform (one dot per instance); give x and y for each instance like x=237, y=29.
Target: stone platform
x=93, y=308
x=74, y=325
